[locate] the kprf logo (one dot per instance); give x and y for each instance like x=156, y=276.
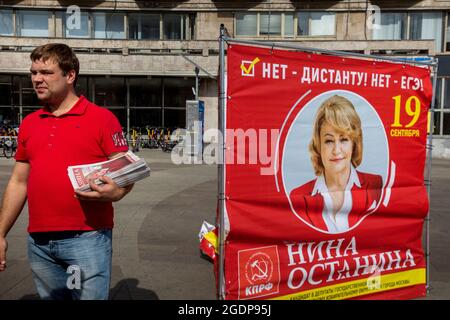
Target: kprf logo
x=259, y=272
x=259, y=268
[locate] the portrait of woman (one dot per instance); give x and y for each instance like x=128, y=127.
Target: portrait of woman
x=340, y=195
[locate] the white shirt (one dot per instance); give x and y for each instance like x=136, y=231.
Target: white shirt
x=341, y=222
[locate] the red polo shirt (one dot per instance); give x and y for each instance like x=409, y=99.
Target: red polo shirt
x=85, y=134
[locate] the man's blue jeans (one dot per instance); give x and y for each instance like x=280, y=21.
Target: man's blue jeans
x=71, y=264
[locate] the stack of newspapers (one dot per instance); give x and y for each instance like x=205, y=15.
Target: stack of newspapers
x=124, y=170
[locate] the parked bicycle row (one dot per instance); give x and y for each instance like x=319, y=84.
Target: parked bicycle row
x=6, y=130
x=138, y=137
x=153, y=138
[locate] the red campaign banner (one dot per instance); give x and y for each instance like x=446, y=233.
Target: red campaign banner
x=324, y=176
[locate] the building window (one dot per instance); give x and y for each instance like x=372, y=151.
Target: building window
x=392, y=26
x=148, y=26
x=437, y=123
x=177, y=91
x=144, y=26
x=174, y=26
x=426, y=26
x=288, y=24
x=264, y=24
x=437, y=106
x=191, y=28
x=270, y=24
x=446, y=124
x=448, y=33
x=152, y=101
x=109, y=25
x=316, y=24
x=10, y=93
x=411, y=26
x=98, y=25
x=24, y=87
x=438, y=94
x=121, y=114
x=72, y=30
x=6, y=23
x=140, y=117
x=246, y=24
x=32, y=23
x=174, y=118
x=9, y=116
x=110, y=92
x=446, y=98
x=145, y=92
x=442, y=107
x=145, y=101
x=82, y=87
x=5, y=90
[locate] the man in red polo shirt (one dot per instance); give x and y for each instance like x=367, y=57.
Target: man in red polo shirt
x=70, y=233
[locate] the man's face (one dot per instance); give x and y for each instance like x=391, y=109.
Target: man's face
x=49, y=82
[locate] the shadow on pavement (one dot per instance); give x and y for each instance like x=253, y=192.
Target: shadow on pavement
x=126, y=289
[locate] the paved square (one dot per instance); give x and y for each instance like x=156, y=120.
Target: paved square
x=156, y=253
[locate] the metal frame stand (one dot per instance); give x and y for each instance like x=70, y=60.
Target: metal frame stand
x=221, y=166
x=222, y=143
x=429, y=147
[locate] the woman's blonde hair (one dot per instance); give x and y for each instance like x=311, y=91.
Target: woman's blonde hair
x=339, y=113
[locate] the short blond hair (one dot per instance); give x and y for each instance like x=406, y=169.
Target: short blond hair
x=339, y=113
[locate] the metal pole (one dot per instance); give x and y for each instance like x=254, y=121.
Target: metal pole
x=163, y=108
x=197, y=70
x=221, y=166
x=428, y=178
x=20, y=101
x=333, y=52
x=127, y=82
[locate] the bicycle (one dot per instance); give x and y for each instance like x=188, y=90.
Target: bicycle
x=135, y=140
x=151, y=140
x=171, y=140
x=9, y=146
x=8, y=141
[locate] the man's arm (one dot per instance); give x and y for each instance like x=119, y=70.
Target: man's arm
x=109, y=191
x=13, y=201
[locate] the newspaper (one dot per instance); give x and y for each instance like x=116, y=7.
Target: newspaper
x=124, y=170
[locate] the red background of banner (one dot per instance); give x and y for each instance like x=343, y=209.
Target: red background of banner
x=260, y=216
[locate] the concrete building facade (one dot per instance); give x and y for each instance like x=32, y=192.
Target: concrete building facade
x=138, y=57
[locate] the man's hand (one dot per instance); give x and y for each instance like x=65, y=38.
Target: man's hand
x=3, y=248
x=108, y=192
